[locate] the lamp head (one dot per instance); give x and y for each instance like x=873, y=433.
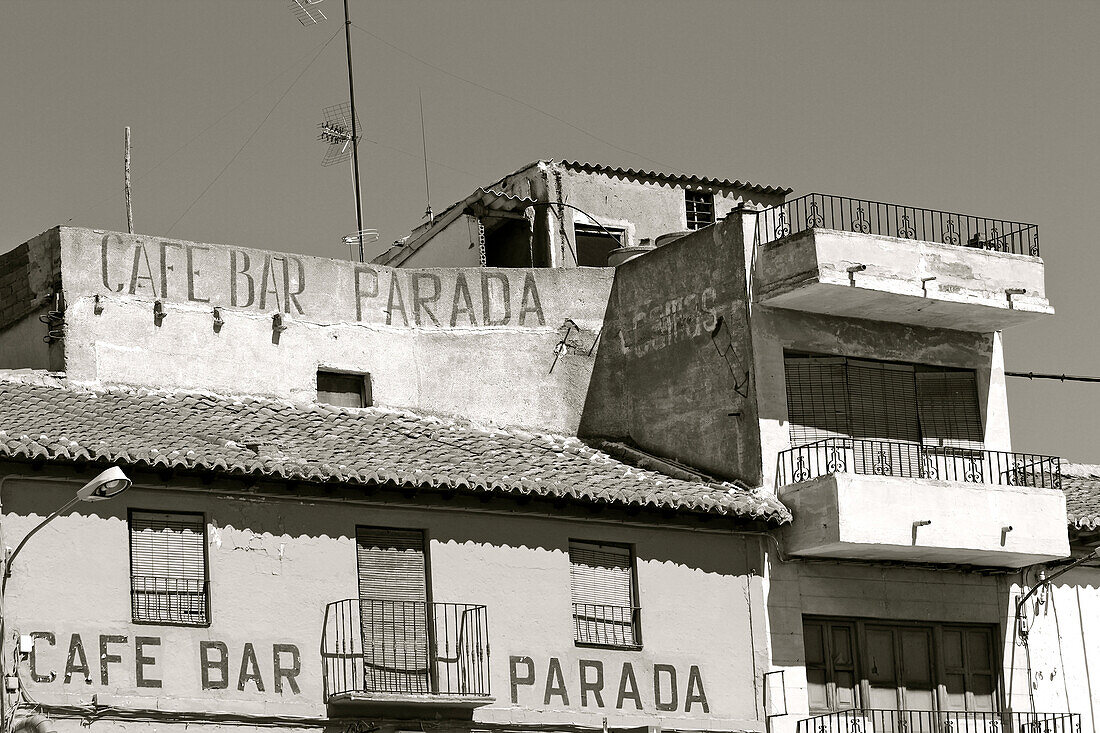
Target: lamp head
x=111, y=482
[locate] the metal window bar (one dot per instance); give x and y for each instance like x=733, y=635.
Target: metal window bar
x=915, y=460
x=169, y=600
x=405, y=647
x=822, y=211
x=931, y=721
x=607, y=625
x=700, y=208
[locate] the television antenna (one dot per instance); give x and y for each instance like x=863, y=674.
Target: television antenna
x=346, y=129
x=307, y=12
x=363, y=236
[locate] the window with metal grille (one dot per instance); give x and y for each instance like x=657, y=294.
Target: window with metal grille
x=605, y=612
x=344, y=389
x=168, y=575
x=700, y=208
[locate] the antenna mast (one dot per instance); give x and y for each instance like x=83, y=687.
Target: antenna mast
x=354, y=136
x=129, y=204
x=424, y=140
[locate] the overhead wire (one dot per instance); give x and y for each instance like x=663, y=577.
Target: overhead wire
x=253, y=133
x=1059, y=377
x=518, y=101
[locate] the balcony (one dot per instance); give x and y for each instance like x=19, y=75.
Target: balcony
x=904, y=501
x=866, y=259
x=928, y=721
x=396, y=654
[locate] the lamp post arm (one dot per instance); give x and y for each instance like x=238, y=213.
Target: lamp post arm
x=11, y=558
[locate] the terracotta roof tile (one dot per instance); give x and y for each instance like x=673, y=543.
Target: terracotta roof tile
x=43, y=417
x=1081, y=482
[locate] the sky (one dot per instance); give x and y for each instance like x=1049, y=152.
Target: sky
x=984, y=108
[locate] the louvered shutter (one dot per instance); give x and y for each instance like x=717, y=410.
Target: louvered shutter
x=817, y=398
x=948, y=405
x=884, y=414
x=602, y=587
x=393, y=605
x=168, y=567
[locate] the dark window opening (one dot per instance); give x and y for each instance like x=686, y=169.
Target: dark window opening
x=700, y=208
x=594, y=244
x=344, y=389
x=509, y=243
x=168, y=573
x=603, y=588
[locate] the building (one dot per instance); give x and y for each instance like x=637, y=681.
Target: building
x=758, y=477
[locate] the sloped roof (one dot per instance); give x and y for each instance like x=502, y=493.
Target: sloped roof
x=683, y=180
x=1081, y=482
x=43, y=417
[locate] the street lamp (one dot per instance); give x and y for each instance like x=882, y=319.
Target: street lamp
x=106, y=485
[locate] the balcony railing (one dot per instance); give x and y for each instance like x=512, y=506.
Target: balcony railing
x=916, y=460
x=405, y=648
x=604, y=625
x=820, y=211
x=927, y=721
x=169, y=600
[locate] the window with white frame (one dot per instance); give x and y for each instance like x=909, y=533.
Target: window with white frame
x=602, y=584
x=168, y=574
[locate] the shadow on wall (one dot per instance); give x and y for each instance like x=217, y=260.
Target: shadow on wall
x=672, y=372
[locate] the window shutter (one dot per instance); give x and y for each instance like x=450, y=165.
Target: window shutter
x=817, y=398
x=600, y=574
x=948, y=404
x=167, y=545
x=391, y=564
x=393, y=594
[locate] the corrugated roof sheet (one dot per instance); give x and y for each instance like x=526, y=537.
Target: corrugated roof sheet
x=682, y=180
x=1081, y=482
x=43, y=417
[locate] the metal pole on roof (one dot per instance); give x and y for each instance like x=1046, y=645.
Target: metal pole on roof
x=354, y=135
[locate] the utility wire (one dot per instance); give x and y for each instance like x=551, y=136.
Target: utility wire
x=253, y=134
x=1059, y=377
x=206, y=129
x=509, y=97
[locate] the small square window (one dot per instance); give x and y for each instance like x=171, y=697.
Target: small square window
x=700, y=208
x=168, y=574
x=595, y=243
x=344, y=389
x=602, y=584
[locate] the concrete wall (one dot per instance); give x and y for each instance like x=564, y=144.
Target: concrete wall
x=476, y=342
x=672, y=372
x=274, y=564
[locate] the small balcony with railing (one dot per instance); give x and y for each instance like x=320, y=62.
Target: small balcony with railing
x=867, y=259
x=901, y=500
x=387, y=654
x=930, y=721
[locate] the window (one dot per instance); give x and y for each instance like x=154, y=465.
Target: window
x=872, y=665
x=168, y=578
x=344, y=389
x=904, y=417
x=605, y=612
x=393, y=595
x=594, y=244
x=700, y=208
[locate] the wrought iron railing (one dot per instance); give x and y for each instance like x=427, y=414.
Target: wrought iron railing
x=917, y=460
x=606, y=625
x=405, y=647
x=169, y=600
x=821, y=211
x=928, y=721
